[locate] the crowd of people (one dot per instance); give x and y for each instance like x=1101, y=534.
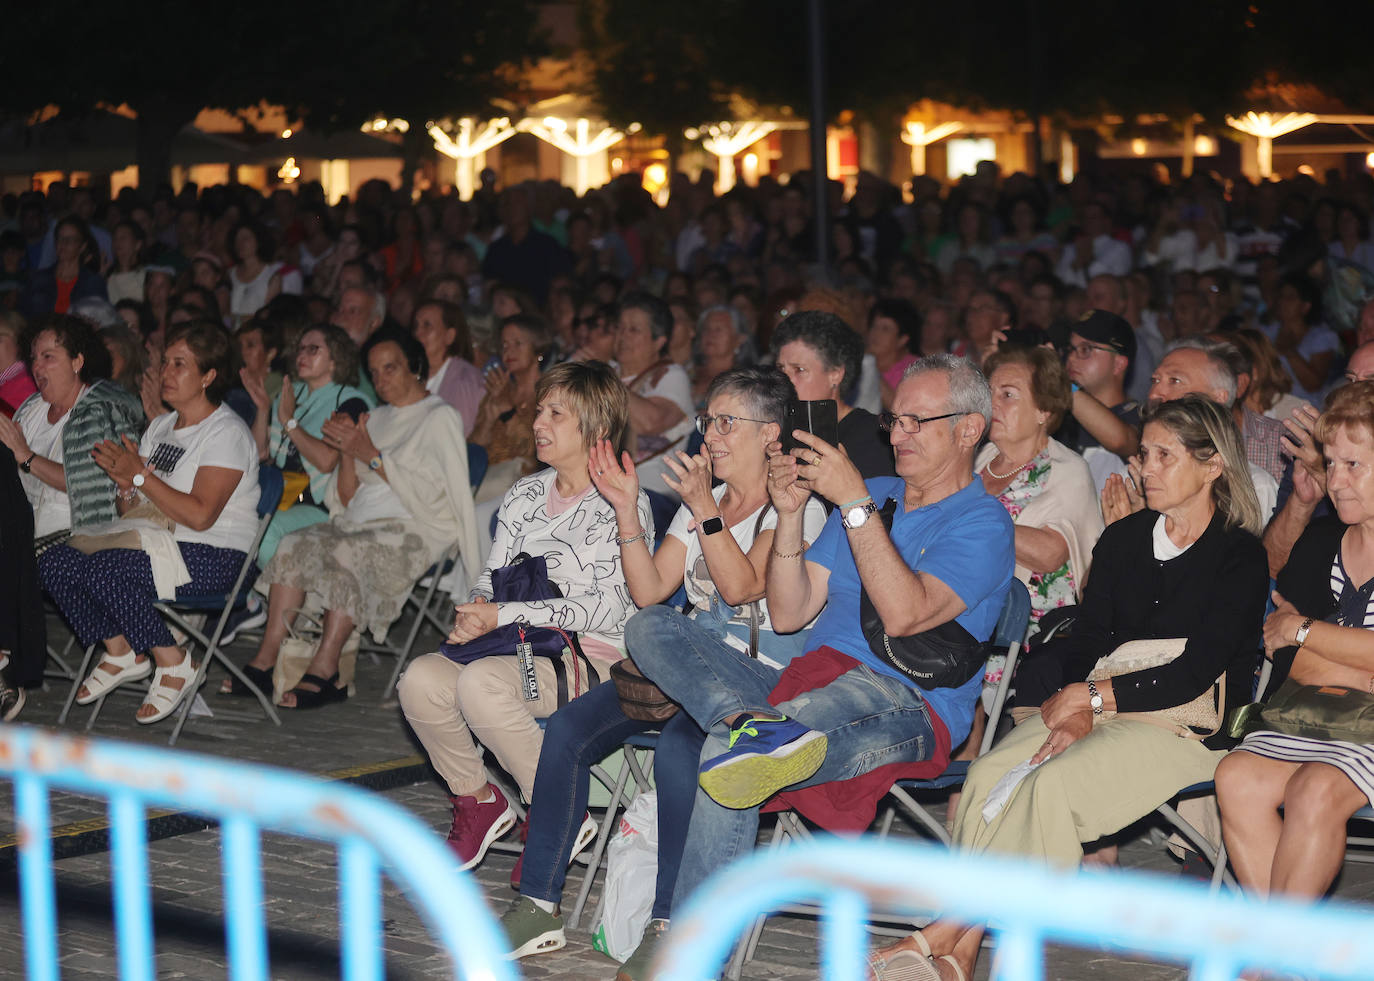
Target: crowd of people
x=1143, y=401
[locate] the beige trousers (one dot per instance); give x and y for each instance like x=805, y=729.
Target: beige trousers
x=1117, y=774
x=450, y=705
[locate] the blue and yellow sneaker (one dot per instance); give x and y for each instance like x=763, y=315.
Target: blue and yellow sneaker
x=766, y=754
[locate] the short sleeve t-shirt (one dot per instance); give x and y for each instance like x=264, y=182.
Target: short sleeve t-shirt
x=676, y=387
x=52, y=508
x=221, y=439
x=697, y=578
x=964, y=540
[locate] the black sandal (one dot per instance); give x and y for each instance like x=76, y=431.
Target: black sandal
x=327, y=695
x=261, y=677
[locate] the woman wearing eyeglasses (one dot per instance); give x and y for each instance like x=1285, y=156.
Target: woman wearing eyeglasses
x=717, y=547
x=289, y=430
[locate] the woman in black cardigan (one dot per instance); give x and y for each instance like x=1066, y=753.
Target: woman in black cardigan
x=1190, y=566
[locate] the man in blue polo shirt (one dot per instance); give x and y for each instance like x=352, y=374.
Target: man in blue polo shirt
x=947, y=558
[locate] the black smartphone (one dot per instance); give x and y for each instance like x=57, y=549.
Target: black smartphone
x=820, y=418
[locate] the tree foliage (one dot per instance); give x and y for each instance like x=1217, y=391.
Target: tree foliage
x=334, y=63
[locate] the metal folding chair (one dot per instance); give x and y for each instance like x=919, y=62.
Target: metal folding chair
x=184, y=614
x=1009, y=633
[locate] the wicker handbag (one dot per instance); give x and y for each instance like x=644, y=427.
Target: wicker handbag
x=1196, y=719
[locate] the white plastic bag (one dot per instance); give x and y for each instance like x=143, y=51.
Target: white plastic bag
x=631, y=876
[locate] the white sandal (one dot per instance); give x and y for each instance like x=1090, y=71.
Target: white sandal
x=163, y=697
x=100, y=682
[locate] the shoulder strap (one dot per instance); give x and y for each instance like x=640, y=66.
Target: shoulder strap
x=754, y=616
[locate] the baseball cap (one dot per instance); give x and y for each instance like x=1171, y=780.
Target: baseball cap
x=1107, y=329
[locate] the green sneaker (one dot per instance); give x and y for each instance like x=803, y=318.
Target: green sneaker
x=530, y=930
x=639, y=963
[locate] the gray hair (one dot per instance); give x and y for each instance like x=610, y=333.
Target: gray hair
x=969, y=392
x=745, y=353
x=1224, y=362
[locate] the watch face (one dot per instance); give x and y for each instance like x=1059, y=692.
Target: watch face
x=139, y=479
x=855, y=517
x=712, y=525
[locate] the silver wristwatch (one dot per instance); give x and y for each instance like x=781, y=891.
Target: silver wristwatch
x=859, y=513
x=1094, y=698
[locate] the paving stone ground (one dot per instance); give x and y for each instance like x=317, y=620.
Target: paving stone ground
x=299, y=886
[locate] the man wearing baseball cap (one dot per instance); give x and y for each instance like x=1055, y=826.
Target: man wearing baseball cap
x=1104, y=425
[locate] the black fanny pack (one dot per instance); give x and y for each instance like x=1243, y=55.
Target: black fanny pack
x=945, y=656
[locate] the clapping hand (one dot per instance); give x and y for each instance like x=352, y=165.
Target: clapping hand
x=118, y=459
x=350, y=437
x=255, y=388
x=286, y=405
x=614, y=479
x=693, y=480
x=1121, y=496
x=13, y=437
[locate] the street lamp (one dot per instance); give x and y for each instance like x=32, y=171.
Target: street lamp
x=471, y=142
x=1267, y=127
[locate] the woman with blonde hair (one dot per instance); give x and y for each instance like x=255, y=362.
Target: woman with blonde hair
x=1188, y=569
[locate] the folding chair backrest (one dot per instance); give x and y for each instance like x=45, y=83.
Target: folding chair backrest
x=1007, y=636
x=270, y=483
x=477, y=464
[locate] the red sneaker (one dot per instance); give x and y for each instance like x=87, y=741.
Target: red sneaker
x=476, y=825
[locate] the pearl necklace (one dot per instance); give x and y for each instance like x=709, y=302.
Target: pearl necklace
x=1006, y=476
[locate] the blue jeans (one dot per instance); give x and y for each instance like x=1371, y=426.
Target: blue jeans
x=581, y=733
x=869, y=720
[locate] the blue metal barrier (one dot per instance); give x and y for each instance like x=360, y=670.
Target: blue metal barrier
x=372, y=835
x=1027, y=905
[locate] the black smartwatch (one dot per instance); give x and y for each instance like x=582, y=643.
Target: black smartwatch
x=711, y=525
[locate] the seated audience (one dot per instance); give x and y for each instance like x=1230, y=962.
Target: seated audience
x=1105, y=424
x=892, y=327
x=76, y=408
x=442, y=331
x=723, y=575
x=1046, y=488
x=16, y=384
x=558, y=514
x=1285, y=799
x=1097, y=766
x=506, y=414
x=289, y=427
x=821, y=356
x=660, y=391
x=196, y=466
x=843, y=712
x=721, y=344
x=400, y=498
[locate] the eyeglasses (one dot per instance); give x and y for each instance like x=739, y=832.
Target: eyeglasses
x=1086, y=351
x=911, y=424
x=723, y=423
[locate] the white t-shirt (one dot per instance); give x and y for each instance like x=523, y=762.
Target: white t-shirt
x=221, y=439
x=697, y=579
x=52, y=508
x=676, y=387
x=435, y=380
